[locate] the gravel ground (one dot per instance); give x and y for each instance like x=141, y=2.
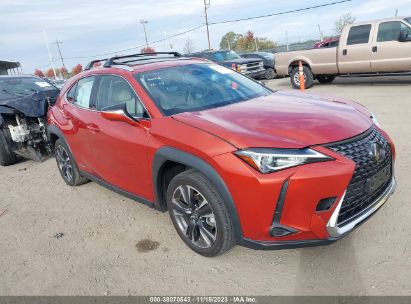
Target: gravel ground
x=57, y=240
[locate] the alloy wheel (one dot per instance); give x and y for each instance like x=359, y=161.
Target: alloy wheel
x=194, y=216
x=297, y=78
x=64, y=163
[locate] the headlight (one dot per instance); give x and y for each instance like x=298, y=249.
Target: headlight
x=271, y=160
x=240, y=68
x=375, y=120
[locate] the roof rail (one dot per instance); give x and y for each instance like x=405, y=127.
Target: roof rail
x=91, y=63
x=109, y=62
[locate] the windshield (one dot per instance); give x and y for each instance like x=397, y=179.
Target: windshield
x=408, y=20
x=14, y=86
x=225, y=56
x=197, y=87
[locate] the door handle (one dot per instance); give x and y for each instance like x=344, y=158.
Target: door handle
x=374, y=49
x=345, y=52
x=93, y=128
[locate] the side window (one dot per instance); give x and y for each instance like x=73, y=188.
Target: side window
x=359, y=34
x=390, y=31
x=114, y=90
x=82, y=96
x=71, y=93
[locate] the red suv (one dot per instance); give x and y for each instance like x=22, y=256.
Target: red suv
x=232, y=161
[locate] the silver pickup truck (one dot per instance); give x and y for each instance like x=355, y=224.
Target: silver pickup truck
x=374, y=47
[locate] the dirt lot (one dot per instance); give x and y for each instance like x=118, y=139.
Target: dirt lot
x=97, y=254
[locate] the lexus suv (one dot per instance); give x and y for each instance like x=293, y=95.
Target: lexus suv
x=232, y=161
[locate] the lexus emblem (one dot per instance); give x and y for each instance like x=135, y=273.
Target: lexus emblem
x=376, y=152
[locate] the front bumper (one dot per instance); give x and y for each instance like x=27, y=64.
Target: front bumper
x=255, y=74
x=334, y=231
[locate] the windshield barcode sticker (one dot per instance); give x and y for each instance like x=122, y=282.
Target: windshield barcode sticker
x=43, y=84
x=221, y=69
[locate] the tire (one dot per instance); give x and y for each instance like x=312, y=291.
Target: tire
x=269, y=74
x=325, y=78
x=308, y=75
x=7, y=157
x=67, y=165
x=207, y=230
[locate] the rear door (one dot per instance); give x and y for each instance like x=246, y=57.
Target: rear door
x=390, y=55
x=354, y=52
x=79, y=112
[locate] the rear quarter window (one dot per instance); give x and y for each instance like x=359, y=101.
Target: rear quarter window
x=359, y=34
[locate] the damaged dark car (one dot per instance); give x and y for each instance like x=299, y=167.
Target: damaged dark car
x=24, y=101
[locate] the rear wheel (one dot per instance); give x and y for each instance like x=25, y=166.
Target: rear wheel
x=67, y=166
x=199, y=214
x=295, y=77
x=325, y=78
x=7, y=157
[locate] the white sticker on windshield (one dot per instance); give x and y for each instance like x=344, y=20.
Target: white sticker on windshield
x=43, y=84
x=221, y=69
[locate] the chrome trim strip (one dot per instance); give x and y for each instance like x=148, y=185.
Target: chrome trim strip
x=335, y=231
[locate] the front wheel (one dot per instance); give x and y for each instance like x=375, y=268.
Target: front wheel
x=295, y=77
x=325, y=78
x=269, y=74
x=199, y=214
x=7, y=157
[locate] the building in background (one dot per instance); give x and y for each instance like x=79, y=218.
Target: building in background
x=10, y=67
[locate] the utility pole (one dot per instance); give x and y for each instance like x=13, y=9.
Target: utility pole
x=286, y=40
x=48, y=50
x=144, y=22
x=321, y=33
x=256, y=44
x=61, y=56
x=206, y=6
x=396, y=12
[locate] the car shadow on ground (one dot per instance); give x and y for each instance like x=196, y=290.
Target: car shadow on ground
x=368, y=81
x=331, y=265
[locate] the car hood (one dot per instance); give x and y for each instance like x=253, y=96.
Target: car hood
x=33, y=105
x=282, y=120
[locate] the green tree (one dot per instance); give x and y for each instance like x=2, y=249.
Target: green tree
x=245, y=43
x=342, y=22
x=229, y=41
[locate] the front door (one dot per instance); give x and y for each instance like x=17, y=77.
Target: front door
x=120, y=149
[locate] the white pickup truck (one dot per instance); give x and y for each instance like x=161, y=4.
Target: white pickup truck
x=374, y=47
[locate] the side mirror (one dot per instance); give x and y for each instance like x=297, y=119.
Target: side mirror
x=119, y=113
x=402, y=37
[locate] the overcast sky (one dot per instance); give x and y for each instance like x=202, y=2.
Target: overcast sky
x=90, y=27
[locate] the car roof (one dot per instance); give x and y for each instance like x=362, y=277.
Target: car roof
x=148, y=65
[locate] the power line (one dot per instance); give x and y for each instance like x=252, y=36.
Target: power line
x=212, y=23
x=281, y=13
x=138, y=46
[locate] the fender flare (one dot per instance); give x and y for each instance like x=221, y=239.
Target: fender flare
x=165, y=154
x=52, y=129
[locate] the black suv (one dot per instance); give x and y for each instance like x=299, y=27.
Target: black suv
x=253, y=67
x=268, y=60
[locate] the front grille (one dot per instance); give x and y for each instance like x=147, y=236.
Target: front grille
x=254, y=66
x=358, y=197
